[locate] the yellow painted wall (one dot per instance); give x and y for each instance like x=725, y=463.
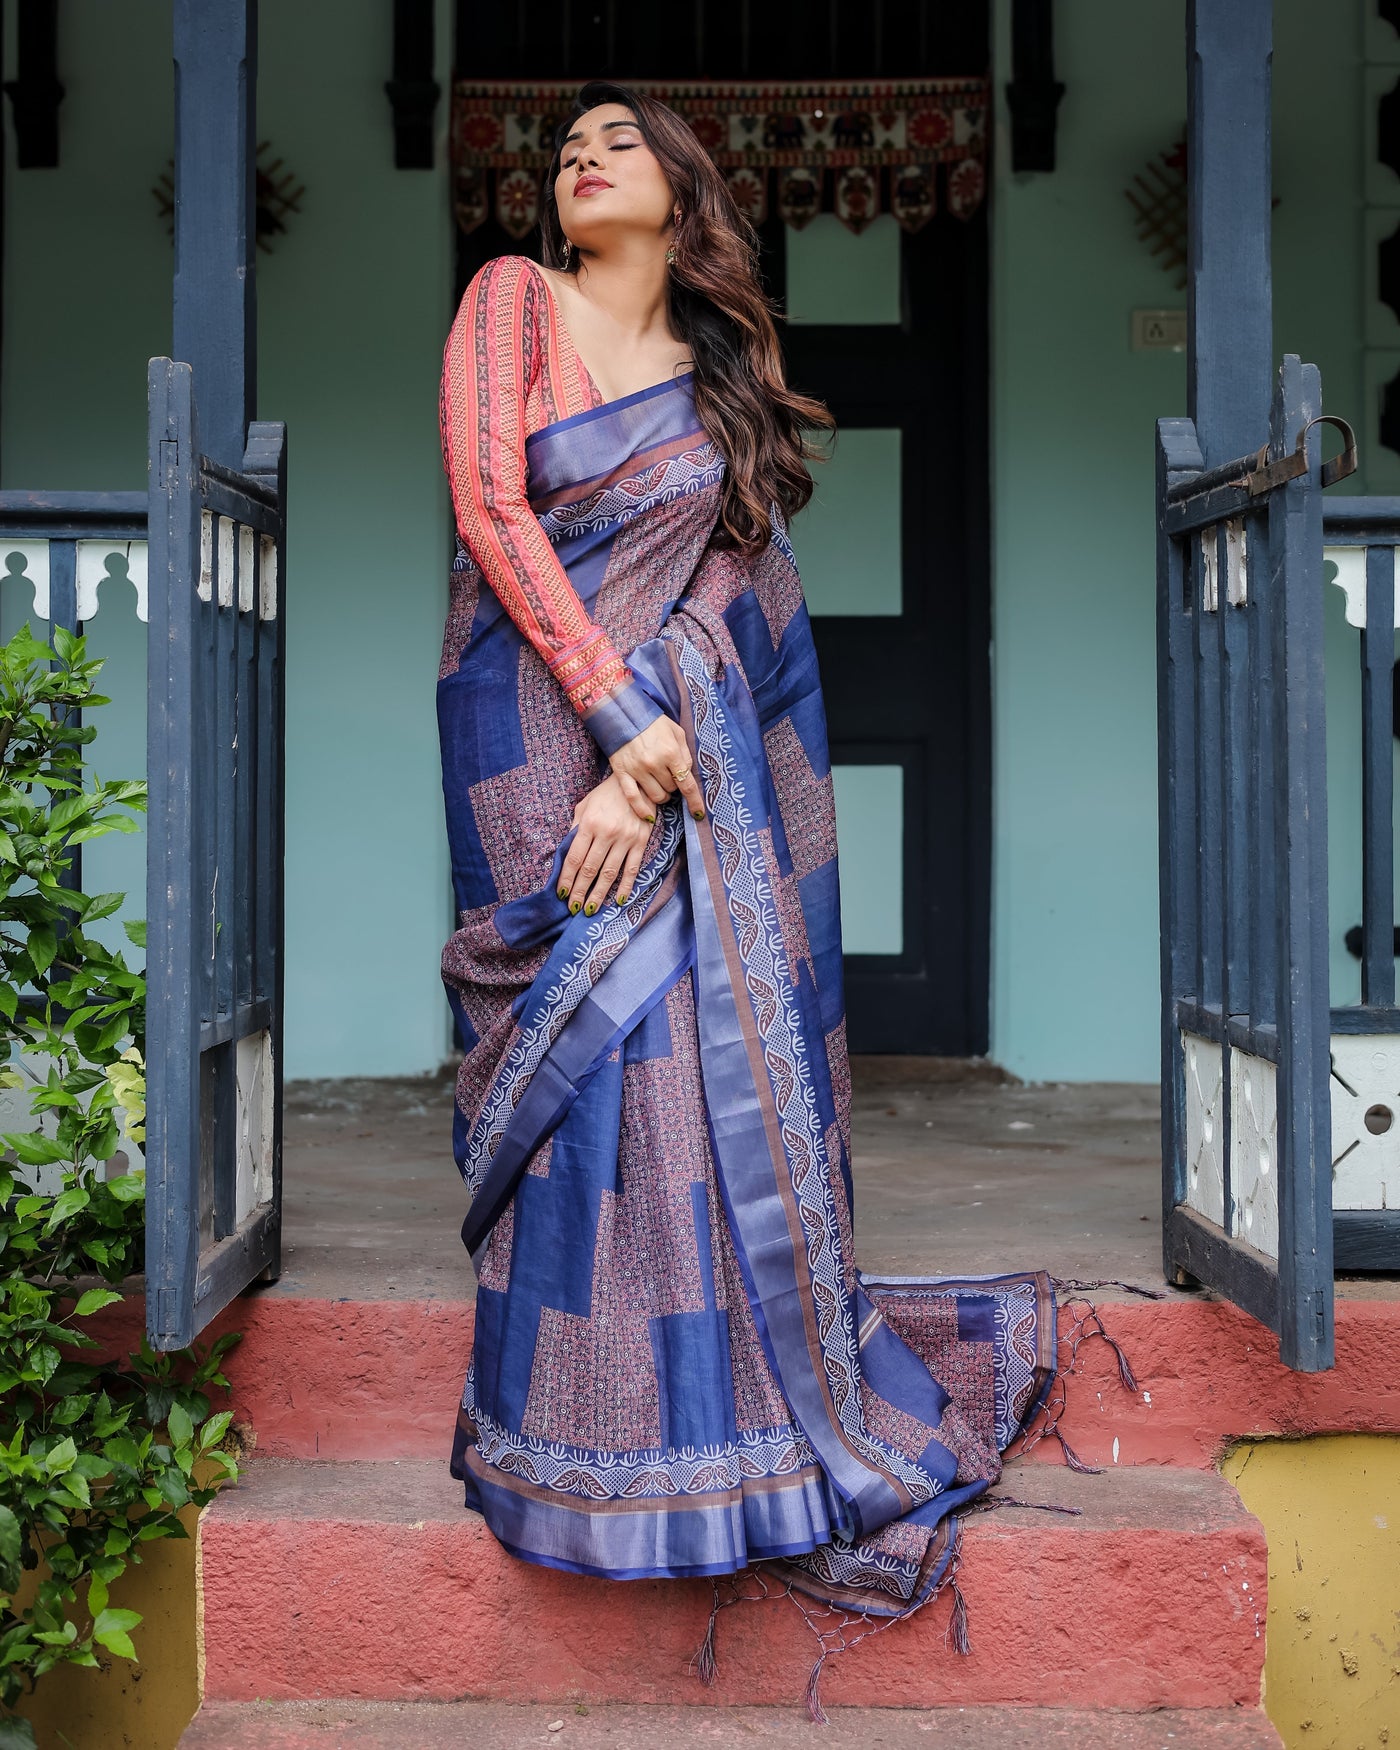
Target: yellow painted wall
x=143, y=1706
x=1330, y=1506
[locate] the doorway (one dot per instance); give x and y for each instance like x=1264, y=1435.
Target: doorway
x=889, y=328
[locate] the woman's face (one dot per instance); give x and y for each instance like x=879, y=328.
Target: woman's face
x=609, y=180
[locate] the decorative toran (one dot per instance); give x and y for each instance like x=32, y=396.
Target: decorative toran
x=855, y=149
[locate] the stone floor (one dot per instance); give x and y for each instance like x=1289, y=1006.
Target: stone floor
x=331, y=1725
x=956, y=1169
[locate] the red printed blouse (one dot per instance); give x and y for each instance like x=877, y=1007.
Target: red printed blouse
x=509, y=369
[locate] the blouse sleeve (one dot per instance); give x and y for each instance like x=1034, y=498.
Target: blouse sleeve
x=490, y=363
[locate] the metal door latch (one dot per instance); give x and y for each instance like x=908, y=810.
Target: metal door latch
x=1265, y=475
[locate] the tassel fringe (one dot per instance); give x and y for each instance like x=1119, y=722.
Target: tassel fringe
x=1072, y=1285
x=1073, y=1460
x=956, y=1636
x=812, y=1694
x=831, y=1626
x=989, y=1503
x=703, y=1662
x=1085, y=1321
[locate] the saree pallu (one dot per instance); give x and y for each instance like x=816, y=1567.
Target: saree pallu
x=677, y=1368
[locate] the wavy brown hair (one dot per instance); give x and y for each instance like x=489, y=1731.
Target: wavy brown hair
x=720, y=310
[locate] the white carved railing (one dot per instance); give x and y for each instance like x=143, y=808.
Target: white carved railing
x=121, y=564
x=1362, y=538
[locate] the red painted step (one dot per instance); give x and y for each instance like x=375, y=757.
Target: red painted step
x=379, y=1379
x=370, y=1581
x=341, y=1725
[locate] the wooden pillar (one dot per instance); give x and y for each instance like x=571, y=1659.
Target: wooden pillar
x=1033, y=94
x=413, y=92
x=1230, y=344
x=215, y=325
x=36, y=90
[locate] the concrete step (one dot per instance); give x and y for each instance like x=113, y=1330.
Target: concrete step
x=379, y=1379
x=486, y=1725
x=369, y=1580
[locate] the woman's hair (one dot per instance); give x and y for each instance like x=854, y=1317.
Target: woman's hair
x=725, y=318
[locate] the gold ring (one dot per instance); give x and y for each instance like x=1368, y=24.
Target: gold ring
x=680, y=777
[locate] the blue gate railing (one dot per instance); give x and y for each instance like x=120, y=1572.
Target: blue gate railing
x=215, y=884
x=1243, y=833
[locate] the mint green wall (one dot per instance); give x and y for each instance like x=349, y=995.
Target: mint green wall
x=354, y=308
x=1074, y=928
x=354, y=304
x=1075, y=978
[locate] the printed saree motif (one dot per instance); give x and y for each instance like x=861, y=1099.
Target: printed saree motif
x=677, y=1368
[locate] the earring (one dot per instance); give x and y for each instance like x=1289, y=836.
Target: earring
x=570, y=256
x=671, y=256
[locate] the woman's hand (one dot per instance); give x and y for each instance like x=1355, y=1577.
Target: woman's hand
x=654, y=764
x=608, y=847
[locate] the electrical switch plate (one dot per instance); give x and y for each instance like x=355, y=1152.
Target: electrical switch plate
x=1159, y=331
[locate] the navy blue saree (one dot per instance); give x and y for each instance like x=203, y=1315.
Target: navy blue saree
x=677, y=1368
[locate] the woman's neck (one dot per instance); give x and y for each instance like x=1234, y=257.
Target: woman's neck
x=629, y=285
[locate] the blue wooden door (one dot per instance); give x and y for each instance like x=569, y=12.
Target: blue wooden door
x=214, y=892
x=1247, y=1179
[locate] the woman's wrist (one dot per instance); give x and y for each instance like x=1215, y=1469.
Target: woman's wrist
x=621, y=716
x=656, y=764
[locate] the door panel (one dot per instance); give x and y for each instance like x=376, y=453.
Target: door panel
x=870, y=830
x=836, y=278
x=847, y=541
x=893, y=558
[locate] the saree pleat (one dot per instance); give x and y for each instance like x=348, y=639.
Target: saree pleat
x=677, y=1368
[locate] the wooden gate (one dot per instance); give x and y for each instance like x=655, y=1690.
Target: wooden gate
x=1247, y=1184
x=1281, y=1114
x=214, y=886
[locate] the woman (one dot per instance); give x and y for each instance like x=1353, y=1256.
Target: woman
x=676, y=1367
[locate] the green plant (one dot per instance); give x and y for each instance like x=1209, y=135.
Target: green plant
x=97, y=1458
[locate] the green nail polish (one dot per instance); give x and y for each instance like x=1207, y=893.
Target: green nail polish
x=699, y=813
x=589, y=909
x=623, y=898
x=563, y=893
x=574, y=907
x=651, y=820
